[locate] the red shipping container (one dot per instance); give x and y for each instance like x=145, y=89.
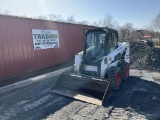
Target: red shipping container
x=17, y=55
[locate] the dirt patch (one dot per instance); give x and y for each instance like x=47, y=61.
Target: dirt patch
x=143, y=57
x=137, y=96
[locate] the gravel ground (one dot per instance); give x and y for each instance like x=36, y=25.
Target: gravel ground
x=138, y=98
x=144, y=57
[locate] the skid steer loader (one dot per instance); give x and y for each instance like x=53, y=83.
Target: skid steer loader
x=98, y=70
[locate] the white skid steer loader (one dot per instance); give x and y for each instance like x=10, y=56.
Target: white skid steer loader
x=98, y=70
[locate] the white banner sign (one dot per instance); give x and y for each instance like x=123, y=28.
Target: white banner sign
x=44, y=39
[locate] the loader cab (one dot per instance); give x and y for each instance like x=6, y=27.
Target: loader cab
x=99, y=42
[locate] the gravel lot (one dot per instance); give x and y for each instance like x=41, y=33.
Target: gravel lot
x=138, y=98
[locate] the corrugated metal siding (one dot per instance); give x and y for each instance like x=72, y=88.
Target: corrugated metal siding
x=17, y=55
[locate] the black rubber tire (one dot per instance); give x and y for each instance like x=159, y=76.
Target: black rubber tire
x=111, y=75
x=124, y=66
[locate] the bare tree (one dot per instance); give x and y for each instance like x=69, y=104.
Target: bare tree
x=7, y=12
x=42, y=17
x=106, y=21
x=129, y=28
x=83, y=22
x=59, y=18
x=95, y=24
x=125, y=31
x=122, y=32
x=71, y=19
x=115, y=25
x=52, y=17
x=24, y=16
x=156, y=22
x=155, y=25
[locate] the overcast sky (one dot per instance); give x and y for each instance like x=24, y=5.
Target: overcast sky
x=138, y=12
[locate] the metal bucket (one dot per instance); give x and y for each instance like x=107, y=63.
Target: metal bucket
x=82, y=87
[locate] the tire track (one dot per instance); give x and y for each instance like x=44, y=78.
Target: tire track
x=36, y=103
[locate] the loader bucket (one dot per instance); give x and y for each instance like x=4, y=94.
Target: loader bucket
x=82, y=87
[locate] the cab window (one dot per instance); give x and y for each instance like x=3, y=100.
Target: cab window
x=112, y=42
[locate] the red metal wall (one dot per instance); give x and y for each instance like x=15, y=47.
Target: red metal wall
x=17, y=55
